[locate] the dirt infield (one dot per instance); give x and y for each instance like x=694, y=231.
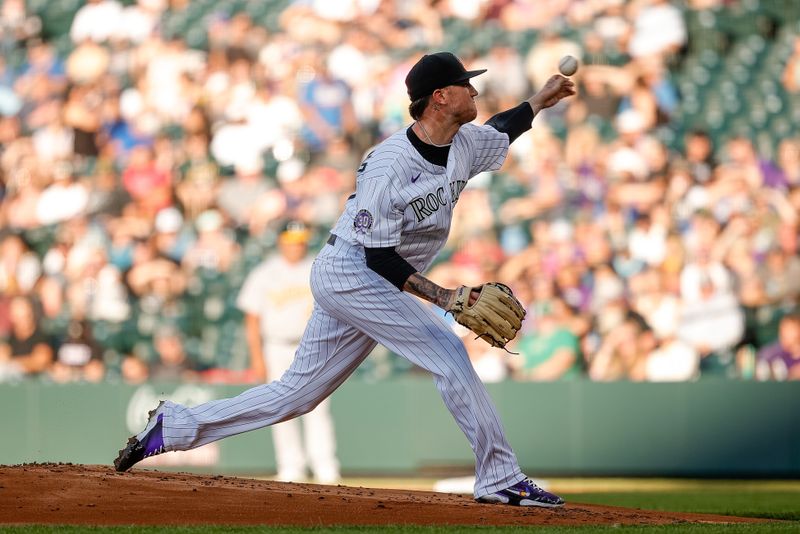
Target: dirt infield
x=97, y=495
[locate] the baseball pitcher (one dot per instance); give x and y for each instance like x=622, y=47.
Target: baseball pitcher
x=366, y=281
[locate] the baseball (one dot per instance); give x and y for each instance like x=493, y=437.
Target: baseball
x=568, y=65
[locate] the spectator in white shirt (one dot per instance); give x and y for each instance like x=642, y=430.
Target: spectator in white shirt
x=713, y=325
x=64, y=199
x=658, y=28
x=97, y=20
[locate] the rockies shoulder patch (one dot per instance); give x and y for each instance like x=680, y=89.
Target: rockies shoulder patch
x=363, y=221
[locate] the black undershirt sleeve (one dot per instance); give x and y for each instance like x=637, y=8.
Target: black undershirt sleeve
x=389, y=264
x=514, y=122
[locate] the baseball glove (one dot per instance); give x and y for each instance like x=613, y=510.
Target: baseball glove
x=496, y=315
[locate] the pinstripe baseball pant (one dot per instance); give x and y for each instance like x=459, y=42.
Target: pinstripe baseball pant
x=356, y=308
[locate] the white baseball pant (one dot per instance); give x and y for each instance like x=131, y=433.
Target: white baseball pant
x=354, y=309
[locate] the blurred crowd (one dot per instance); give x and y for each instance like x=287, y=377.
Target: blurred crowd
x=142, y=179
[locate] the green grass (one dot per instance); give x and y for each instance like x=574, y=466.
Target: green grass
x=753, y=503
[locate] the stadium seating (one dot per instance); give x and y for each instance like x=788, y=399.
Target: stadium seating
x=728, y=78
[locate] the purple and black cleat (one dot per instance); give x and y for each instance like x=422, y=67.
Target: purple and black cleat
x=524, y=493
x=148, y=442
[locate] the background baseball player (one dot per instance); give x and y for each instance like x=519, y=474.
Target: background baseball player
x=277, y=302
x=363, y=282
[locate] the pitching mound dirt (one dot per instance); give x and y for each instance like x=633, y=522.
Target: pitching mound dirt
x=97, y=495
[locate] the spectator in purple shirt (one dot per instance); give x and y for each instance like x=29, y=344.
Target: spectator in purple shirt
x=757, y=170
x=781, y=360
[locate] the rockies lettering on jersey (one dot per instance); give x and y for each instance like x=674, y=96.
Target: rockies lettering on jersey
x=425, y=206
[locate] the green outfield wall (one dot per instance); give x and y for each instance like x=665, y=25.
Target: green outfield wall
x=401, y=427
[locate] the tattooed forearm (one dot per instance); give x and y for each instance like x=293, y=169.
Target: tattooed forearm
x=422, y=287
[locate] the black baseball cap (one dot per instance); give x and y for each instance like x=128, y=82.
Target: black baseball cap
x=434, y=71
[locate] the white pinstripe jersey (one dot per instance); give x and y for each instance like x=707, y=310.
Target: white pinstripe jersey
x=404, y=201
